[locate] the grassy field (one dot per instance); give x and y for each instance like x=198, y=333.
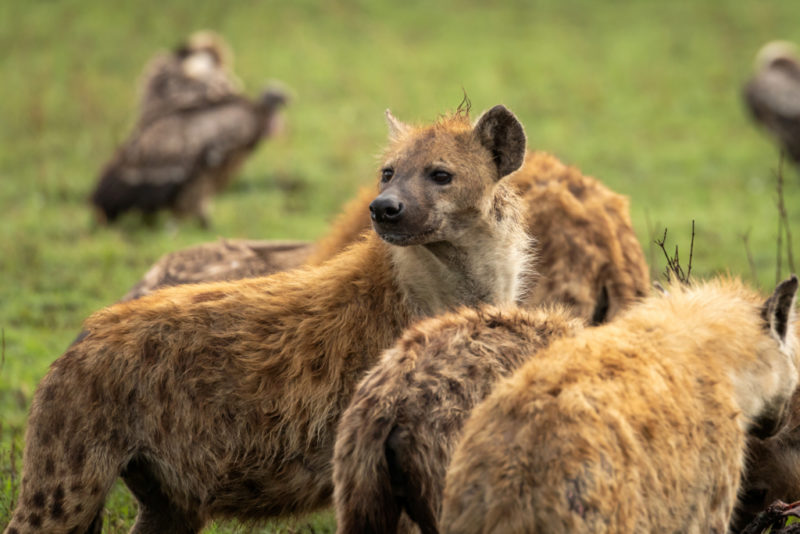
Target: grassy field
x=645, y=96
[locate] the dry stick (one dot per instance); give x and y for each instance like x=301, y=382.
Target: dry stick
x=674, y=263
x=784, y=218
x=691, y=253
x=660, y=243
x=779, y=260
x=753, y=270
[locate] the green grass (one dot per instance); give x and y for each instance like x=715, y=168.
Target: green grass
x=645, y=96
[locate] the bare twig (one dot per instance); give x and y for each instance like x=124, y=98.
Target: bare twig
x=779, y=260
x=783, y=221
x=753, y=270
x=674, y=263
x=669, y=269
x=691, y=253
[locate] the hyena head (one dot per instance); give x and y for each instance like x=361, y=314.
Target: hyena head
x=437, y=182
x=778, y=314
x=773, y=470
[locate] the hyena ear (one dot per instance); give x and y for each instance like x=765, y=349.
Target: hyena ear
x=397, y=129
x=500, y=131
x=778, y=310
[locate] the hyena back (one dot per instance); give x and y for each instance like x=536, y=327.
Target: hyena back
x=587, y=253
x=222, y=399
x=634, y=426
x=395, y=439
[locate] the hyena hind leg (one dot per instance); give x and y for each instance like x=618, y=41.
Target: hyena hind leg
x=156, y=512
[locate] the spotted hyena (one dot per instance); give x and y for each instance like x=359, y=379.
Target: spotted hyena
x=635, y=426
x=395, y=439
x=222, y=399
x=587, y=253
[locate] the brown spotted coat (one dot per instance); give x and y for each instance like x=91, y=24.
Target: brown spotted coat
x=635, y=426
x=222, y=399
x=587, y=257
x=396, y=438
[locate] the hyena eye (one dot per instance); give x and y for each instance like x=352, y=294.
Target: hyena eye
x=386, y=174
x=441, y=177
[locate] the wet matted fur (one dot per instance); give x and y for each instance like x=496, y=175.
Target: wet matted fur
x=634, y=426
x=395, y=440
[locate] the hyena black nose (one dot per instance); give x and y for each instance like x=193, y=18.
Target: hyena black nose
x=386, y=209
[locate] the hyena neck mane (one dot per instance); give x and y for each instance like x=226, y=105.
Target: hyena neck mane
x=486, y=266
x=446, y=205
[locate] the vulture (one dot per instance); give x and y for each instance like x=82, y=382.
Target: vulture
x=197, y=72
x=193, y=132
x=773, y=94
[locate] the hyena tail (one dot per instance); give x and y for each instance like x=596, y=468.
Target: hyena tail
x=364, y=493
x=411, y=475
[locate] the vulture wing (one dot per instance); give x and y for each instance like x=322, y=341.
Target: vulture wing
x=163, y=156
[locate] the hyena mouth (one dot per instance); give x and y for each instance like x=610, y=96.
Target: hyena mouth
x=405, y=240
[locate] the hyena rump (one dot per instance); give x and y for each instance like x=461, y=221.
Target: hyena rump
x=635, y=426
x=395, y=439
x=222, y=399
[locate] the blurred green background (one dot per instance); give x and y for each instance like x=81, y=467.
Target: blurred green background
x=643, y=95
